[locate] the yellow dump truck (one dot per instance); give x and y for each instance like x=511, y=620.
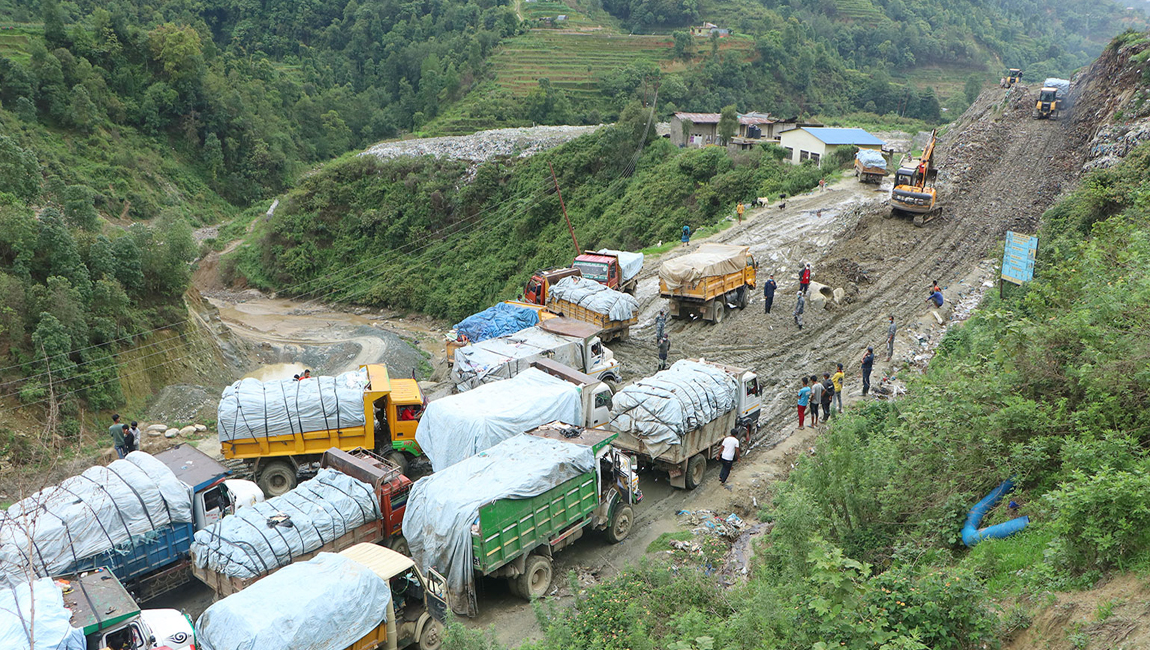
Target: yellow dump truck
x=704, y=284
x=277, y=427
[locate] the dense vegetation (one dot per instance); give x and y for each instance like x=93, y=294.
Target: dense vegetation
x=1047, y=386
x=368, y=230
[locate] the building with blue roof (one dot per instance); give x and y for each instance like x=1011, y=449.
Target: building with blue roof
x=815, y=143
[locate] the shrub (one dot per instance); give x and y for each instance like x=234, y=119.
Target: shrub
x=1104, y=518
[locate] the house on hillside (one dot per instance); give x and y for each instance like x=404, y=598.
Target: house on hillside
x=815, y=143
x=706, y=29
x=754, y=128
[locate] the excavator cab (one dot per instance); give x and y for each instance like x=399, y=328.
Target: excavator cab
x=1013, y=77
x=1047, y=105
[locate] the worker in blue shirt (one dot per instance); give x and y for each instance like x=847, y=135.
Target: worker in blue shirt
x=686, y=234
x=936, y=297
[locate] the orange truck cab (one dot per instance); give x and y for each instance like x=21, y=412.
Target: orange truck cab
x=536, y=290
x=604, y=268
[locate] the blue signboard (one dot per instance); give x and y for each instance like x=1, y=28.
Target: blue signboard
x=1018, y=258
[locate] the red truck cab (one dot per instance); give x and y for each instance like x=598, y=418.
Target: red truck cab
x=604, y=268
x=385, y=479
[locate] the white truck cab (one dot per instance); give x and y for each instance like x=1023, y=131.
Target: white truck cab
x=596, y=395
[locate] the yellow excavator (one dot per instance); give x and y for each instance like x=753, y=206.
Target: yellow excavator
x=1012, y=77
x=913, y=193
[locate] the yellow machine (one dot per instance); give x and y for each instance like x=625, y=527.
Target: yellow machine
x=912, y=192
x=391, y=409
x=1013, y=77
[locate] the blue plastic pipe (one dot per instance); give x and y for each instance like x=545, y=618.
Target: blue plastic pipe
x=971, y=534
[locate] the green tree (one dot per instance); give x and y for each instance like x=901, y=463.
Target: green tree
x=213, y=155
x=53, y=24
x=26, y=110
x=57, y=255
x=728, y=123
x=177, y=50
x=79, y=208
x=101, y=259
x=683, y=44
x=129, y=263
x=19, y=170
x=84, y=112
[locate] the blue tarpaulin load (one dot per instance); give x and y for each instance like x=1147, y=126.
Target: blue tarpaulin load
x=495, y=321
x=871, y=158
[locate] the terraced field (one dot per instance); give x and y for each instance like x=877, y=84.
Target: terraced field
x=539, y=9
x=15, y=42
x=862, y=11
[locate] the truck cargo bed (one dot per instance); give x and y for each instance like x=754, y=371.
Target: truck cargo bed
x=611, y=329
x=223, y=585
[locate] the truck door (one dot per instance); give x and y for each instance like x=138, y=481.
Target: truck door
x=600, y=407
x=751, y=400
x=594, y=356
x=435, y=596
x=212, y=505
x=129, y=637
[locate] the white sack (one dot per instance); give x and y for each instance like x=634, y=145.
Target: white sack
x=455, y=427
x=251, y=408
x=85, y=515
x=629, y=263
x=51, y=627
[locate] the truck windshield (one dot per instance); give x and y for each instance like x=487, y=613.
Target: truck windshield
x=1047, y=96
x=594, y=270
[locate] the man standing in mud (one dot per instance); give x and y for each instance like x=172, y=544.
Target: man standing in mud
x=805, y=278
x=799, y=306
x=769, y=294
x=660, y=325
x=664, y=348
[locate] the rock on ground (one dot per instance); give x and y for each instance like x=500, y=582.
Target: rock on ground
x=183, y=403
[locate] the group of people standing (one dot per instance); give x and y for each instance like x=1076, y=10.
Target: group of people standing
x=770, y=287
x=125, y=438
x=825, y=394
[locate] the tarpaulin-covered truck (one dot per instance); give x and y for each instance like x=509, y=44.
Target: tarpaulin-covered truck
x=706, y=283
x=276, y=427
x=462, y=425
x=85, y=612
x=615, y=269
x=356, y=498
x=506, y=317
x=870, y=166
x=363, y=598
x=568, y=341
x=611, y=311
x=502, y=513
x=674, y=420
x=136, y=516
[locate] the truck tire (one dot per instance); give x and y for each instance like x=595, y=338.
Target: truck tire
x=720, y=310
x=399, y=545
x=399, y=459
x=536, y=578
x=431, y=638
x=621, y=521
x=696, y=469
x=743, y=298
x=277, y=477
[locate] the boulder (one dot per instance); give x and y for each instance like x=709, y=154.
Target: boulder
x=188, y=430
x=157, y=427
x=200, y=428
x=156, y=432
x=171, y=433
x=839, y=294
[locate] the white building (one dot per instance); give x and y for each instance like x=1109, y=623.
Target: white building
x=812, y=143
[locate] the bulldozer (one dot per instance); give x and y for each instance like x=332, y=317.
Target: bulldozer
x=1012, y=77
x=913, y=193
x=1052, y=98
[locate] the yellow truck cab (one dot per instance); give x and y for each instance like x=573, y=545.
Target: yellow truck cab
x=275, y=447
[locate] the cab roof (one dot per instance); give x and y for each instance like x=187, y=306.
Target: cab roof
x=97, y=600
x=595, y=257
x=403, y=391
x=382, y=561
x=192, y=466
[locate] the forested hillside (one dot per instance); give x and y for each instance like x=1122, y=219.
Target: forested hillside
x=406, y=233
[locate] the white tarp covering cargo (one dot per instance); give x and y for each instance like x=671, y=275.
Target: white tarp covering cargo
x=251, y=408
x=506, y=356
x=326, y=603
x=442, y=506
x=659, y=410
x=102, y=508
x=629, y=263
x=50, y=628
x=459, y=426
x=1062, y=85
x=709, y=260
x=600, y=299
x=871, y=158
x=257, y=539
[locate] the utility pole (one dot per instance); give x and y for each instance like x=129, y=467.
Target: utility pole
x=560, y=194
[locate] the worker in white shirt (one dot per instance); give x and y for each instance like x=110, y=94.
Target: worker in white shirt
x=728, y=454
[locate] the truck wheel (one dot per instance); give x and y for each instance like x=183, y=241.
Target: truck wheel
x=432, y=635
x=696, y=469
x=276, y=478
x=399, y=459
x=536, y=578
x=720, y=310
x=399, y=545
x=743, y=298
x=621, y=522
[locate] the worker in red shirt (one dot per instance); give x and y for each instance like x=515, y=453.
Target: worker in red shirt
x=805, y=278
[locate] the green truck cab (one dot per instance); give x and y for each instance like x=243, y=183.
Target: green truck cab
x=516, y=538
x=110, y=617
